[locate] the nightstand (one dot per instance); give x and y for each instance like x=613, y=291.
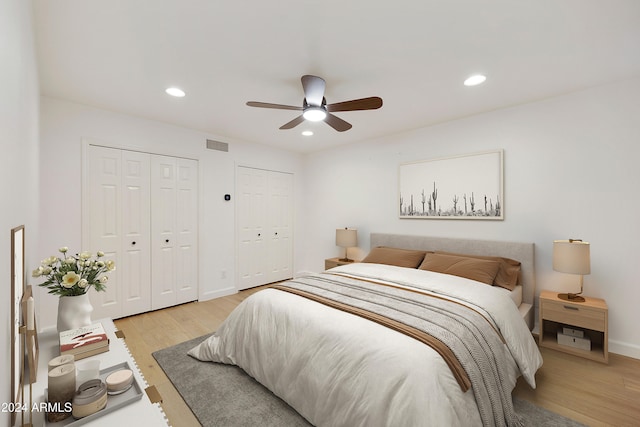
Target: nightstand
x=334, y=262
x=590, y=316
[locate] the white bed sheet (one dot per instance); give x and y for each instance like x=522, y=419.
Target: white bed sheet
x=515, y=295
x=335, y=368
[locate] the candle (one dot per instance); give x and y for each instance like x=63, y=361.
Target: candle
x=62, y=388
x=61, y=360
x=30, y=314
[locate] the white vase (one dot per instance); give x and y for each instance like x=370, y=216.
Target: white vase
x=74, y=312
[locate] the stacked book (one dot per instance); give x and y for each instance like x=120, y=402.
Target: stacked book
x=84, y=341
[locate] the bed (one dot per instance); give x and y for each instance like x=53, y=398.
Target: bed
x=382, y=343
x=523, y=252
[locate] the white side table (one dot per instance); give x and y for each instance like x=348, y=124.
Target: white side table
x=141, y=412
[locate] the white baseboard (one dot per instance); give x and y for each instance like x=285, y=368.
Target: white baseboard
x=206, y=296
x=624, y=349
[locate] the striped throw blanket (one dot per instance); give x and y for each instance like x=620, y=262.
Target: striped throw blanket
x=465, y=337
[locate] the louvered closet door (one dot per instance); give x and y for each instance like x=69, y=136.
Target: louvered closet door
x=174, y=231
x=118, y=224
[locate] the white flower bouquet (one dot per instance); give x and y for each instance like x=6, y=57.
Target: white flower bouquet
x=74, y=275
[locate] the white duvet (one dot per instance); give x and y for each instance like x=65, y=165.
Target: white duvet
x=337, y=369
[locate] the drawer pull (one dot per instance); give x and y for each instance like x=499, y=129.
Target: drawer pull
x=568, y=307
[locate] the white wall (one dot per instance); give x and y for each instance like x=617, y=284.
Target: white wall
x=19, y=160
x=64, y=125
x=571, y=171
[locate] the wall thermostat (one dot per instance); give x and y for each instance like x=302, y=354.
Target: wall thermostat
x=227, y=197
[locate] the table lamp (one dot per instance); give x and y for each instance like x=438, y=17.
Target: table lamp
x=346, y=238
x=572, y=256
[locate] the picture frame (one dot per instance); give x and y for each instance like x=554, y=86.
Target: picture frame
x=468, y=186
x=17, y=293
x=32, y=351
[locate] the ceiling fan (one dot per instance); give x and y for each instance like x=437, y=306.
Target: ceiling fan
x=315, y=108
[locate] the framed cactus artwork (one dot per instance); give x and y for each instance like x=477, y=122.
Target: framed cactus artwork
x=467, y=186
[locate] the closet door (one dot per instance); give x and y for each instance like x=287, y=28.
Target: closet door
x=163, y=224
x=136, y=228
x=280, y=217
x=264, y=215
x=187, y=231
x=174, y=231
x=118, y=224
x=104, y=224
x=252, y=199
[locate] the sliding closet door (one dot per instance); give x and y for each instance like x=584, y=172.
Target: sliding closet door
x=174, y=231
x=264, y=215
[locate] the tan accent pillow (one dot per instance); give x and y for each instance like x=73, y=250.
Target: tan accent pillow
x=394, y=256
x=508, y=274
x=481, y=270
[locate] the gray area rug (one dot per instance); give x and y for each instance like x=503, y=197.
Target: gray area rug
x=224, y=395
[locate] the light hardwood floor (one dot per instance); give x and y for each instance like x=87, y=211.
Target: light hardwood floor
x=589, y=392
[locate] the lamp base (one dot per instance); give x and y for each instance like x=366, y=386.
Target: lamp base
x=345, y=260
x=571, y=297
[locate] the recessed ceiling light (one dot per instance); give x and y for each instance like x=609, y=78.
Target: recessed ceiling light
x=475, y=80
x=174, y=91
x=307, y=133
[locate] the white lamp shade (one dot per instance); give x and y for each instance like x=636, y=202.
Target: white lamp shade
x=346, y=237
x=571, y=256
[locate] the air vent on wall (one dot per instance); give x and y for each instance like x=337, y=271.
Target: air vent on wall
x=217, y=145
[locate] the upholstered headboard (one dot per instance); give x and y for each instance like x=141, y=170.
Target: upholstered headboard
x=523, y=252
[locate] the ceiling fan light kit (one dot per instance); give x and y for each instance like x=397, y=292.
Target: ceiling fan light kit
x=315, y=108
x=314, y=114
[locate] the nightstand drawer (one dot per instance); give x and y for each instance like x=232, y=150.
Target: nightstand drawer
x=575, y=315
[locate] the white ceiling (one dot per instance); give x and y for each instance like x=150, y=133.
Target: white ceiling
x=120, y=55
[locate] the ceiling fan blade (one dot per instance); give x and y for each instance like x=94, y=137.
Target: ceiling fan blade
x=269, y=105
x=313, y=89
x=371, y=103
x=293, y=123
x=337, y=123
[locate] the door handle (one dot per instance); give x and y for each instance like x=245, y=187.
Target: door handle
x=166, y=241
x=133, y=243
